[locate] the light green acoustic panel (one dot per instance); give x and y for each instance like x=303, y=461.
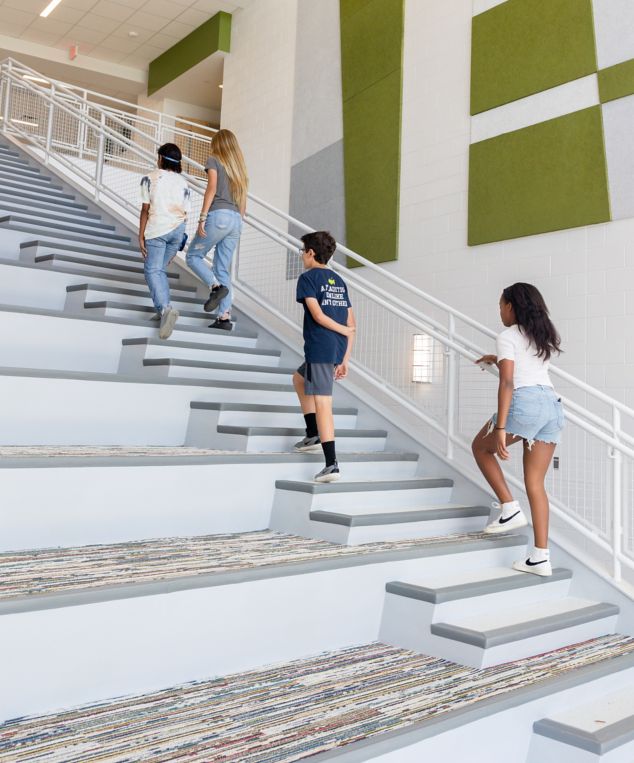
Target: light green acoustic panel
x=522, y=47
x=546, y=177
x=371, y=76
x=616, y=81
x=207, y=39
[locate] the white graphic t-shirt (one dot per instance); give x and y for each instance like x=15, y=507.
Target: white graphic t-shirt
x=169, y=198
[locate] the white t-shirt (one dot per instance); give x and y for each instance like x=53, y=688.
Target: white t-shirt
x=529, y=370
x=169, y=198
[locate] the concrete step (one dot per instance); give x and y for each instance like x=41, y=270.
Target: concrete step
x=116, y=494
x=296, y=501
x=498, y=636
x=137, y=349
x=601, y=729
x=52, y=211
x=90, y=265
x=205, y=417
x=362, y=526
x=80, y=294
x=113, y=307
x=169, y=368
x=27, y=175
x=80, y=408
x=23, y=184
x=47, y=200
x=15, y=161
x=6, y=150
x=254, y=439
x=96, y=234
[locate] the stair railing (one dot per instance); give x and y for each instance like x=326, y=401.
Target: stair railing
x=413, y=352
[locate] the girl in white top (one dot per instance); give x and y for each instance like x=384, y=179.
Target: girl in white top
x=529, y=410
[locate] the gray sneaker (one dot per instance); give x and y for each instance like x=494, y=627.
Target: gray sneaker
x=307, y=445
x=168, y=321
x=328, y=474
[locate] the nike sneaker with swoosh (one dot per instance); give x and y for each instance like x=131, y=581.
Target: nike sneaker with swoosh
x=542, y=567
x=504, y=524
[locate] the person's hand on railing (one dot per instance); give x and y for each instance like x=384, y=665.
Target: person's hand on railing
x=486, y=360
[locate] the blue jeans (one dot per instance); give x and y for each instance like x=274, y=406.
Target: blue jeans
x=160, y=251
x=223, y=228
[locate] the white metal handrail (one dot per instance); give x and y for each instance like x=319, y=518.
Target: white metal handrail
x=97, y=146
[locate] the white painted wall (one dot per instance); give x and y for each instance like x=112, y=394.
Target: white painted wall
x=257, y=97
x=586, y=274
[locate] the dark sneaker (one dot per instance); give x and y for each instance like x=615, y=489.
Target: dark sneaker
x=328, y=474
x=216, y=295
x=307, y=445
x=168, y=321
x=220, y=323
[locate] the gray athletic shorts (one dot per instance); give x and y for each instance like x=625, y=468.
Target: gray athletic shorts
x=318, y=378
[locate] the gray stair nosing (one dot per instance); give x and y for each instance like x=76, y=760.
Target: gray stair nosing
x=250, y=368
x=255, y=431
x=54, y=192
x=127, y=292
x=95, y=263
x=470, y=590
x=43, y=198
x=102, y=239
x=28, y=175
x=126, y=591
x=131, y=306
x=77, y=244
x=519, y=631
x=264, y=408
x=76, y=215
x=167, y=343
x=395, y=517
x=598, y=742
x=361, y=487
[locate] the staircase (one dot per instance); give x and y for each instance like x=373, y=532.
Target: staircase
x=157, y=529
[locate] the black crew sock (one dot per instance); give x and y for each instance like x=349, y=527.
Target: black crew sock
x=329, y=452
x=311, y=424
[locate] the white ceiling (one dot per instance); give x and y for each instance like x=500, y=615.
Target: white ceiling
x=101, y=27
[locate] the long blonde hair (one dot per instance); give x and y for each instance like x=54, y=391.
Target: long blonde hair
x=225, y=147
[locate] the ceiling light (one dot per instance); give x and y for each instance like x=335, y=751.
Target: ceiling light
x=50, y=8
x=220, y=86
x=133, y=34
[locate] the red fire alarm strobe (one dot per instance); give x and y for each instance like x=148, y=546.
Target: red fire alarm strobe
x=73, y=51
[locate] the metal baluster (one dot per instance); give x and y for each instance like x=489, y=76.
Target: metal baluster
x=617, y=496
x=452, y=387
x=100, y=157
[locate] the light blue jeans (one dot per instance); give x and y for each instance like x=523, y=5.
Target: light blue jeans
x=160, y=251
x=223, y=228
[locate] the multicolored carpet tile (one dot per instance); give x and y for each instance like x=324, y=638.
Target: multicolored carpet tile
x=287, y=712
x=105, y=451
x=61, y=570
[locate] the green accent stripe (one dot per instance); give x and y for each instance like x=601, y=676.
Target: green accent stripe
x=371, y=76
x=208, y=38
x=616, y=82
x=546, y=177
x=523, y=47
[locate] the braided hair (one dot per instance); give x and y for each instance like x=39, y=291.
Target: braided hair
x=533, y=318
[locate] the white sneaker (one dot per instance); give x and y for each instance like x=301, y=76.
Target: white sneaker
x=543, y=567
x=504, y=525
x=168, y=321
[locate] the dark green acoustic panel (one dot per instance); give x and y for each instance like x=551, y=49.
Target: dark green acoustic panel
x=208, y=38
x=546, y=177
x=616, y=81
x=371, y=74
x=522, y=47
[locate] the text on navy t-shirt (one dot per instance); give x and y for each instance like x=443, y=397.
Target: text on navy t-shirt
x=321, y=345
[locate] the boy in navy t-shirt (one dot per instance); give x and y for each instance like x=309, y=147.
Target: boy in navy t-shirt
x=329, y=328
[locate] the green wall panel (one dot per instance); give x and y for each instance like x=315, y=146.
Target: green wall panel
x=616, y=81
x=546, y=177
x=208, y=38
x=523, y=47
x=371, y=74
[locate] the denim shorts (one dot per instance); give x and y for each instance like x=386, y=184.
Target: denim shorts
x=536, y=413
x=319, y=378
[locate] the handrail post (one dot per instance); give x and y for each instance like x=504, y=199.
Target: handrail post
x=617, y=497
x=100, y=156
x=81, y=138
x=452, y=386
x=49, y=126
x=5, y=103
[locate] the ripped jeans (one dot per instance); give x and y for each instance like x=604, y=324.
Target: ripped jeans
x=223, y=228
x=536, y=413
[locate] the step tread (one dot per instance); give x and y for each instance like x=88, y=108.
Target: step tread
x=185, y=363
x=363, y=487
x=493, y=629
x=94, y=263
x=76, y=215
x=126, y=292
x=264, y=408
x=63, y=227
x=167, y=343
x=24, y=196
x=255, y=431
x=512, y=580
x=366, y=518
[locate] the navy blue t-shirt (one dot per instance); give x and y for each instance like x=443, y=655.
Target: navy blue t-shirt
x=321, y=345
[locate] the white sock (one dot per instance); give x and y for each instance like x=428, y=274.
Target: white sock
x=510, y=508
x=539, y=554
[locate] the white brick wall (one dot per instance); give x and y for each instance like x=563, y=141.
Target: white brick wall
x=586, y=274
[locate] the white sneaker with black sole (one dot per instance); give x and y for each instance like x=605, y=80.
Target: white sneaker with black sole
x=328, y=474
x=543, y=567
x=308, y=445
x=503, y=524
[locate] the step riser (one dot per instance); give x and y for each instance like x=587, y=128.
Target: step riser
x=43, y=216
x=388, y=500
x=33, y=198
x=138, y=315
x=543, y=750
x=262, y=622
x=116, y=504
x=48, y=242
x=132, y=356
x=77, y=299
x=268, y=444
x=46, y=411
x=95, y=238
x=222, y=374
x=95, y=267
x=266, y=419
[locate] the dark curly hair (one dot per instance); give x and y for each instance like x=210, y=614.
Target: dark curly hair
x=322, y=243
x=170, y=157
x=533, y=318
